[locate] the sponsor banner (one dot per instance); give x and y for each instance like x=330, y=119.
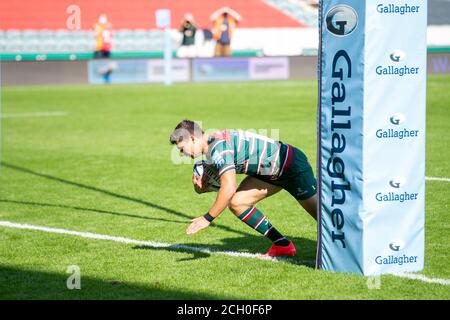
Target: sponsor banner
x=240, y=69
x=117, y=71
x=180, y=70
x=394, y=106
x=136, y=71
x=439, y=63
x=340, y=126
x=269, y=68
x=220, y=69
x=372, y=136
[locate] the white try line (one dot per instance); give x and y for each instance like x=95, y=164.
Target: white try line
x=153, y=244
x=33, y=114
x=437, y=179
x=183, y=247
x=423, y=278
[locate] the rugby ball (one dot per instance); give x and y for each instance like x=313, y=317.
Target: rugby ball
x=212, y=179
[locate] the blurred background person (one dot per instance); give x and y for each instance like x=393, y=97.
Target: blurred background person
x=225, y=21
x=103, y=37
x=188, y=30
x=106, y=69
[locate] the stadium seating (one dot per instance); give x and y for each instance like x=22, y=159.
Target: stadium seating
x=136, y=14
x=42, y=31
x=32, y=41
x=302, y=10
x=268, y=26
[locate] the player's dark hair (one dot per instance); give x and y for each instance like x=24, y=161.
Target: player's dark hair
x=185, y=129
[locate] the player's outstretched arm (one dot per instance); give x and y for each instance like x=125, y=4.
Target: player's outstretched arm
x=226, y=192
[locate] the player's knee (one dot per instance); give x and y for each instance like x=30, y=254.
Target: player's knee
x=237, y=203
x=233, y=205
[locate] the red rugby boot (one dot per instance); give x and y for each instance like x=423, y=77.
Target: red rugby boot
x=277, y=251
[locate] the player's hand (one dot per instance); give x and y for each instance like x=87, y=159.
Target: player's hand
x=197, y=224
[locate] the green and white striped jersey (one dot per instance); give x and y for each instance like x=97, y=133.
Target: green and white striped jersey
x=246, y=152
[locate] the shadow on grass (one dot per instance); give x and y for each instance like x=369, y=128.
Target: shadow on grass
x=250, y=243
x=23, y=284
x=41, y=204
x=254, y=244
x=113, y=194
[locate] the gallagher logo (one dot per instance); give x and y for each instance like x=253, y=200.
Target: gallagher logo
x=341, y=20
x=397, y=56
x=396, y=245
x=397, y=133
x=396, y=195
x=396, y=257
x=397, y=182
x=394, y=68
x=397, y=119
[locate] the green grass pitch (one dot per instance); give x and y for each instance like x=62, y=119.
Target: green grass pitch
x=105, y=167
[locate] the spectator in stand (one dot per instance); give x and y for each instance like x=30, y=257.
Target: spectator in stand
x=225, y=21
x=188, y=30
x=103, y=37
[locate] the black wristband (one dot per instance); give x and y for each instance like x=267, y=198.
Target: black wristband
x=208, y=217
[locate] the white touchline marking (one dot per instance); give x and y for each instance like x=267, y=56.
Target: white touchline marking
x=32, y=114
x=437, y=179
x=423, y=278
x=154, y=244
